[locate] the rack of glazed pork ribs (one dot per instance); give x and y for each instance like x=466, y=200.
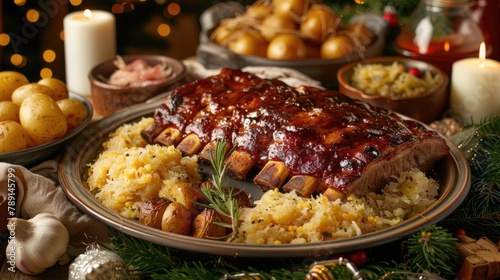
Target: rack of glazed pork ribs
x=306, y=139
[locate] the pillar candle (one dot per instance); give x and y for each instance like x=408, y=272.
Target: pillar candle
x=89, y=39
x=475, y=89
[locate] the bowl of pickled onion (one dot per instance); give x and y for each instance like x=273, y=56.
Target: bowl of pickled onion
x=132, y=79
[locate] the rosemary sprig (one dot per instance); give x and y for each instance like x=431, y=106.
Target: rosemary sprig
x=219, y=196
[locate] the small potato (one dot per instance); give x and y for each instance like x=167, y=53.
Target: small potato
x=183, y=193
x=26, y=90
x=9, y=111
x=75, y=112
x=13, y=137
x=151, y=211
x=59, y=87
x=42, y=119
x=205, y=225
x=9, y=81
x=177, y=218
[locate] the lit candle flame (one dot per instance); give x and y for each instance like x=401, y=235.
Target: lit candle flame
x=87, y=14
x=446, y=46
x=482, y=53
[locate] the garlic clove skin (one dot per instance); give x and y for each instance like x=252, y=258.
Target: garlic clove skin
x=37, y=243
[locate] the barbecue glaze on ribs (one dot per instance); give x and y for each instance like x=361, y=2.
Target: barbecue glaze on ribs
x=305, y=139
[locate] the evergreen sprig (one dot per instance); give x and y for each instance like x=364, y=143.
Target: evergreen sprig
x=151, y=261
x=148, y=260
x=487, y=125
x=479, y=214
x=485, y=168
x=432, y=250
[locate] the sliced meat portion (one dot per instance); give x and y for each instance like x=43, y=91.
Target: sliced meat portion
x=320, y=135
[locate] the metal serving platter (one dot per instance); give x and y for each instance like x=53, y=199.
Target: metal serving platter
x=453, y=176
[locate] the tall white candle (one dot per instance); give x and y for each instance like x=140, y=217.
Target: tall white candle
x=89, y=39
x=475, y=88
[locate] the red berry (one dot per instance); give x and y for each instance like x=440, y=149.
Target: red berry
x=357, y=257
x=415, y=72
x=460, y=232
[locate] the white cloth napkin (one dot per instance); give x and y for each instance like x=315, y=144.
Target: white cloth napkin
x=289, y=76
x=38, y=191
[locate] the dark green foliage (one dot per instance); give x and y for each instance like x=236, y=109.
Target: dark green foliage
x=479, y=214
x=432, y=250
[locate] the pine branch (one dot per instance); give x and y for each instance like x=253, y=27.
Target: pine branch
x=432, y=250
x=190, y=271
x=487, y=125
x=147, y=259
x=481, y=208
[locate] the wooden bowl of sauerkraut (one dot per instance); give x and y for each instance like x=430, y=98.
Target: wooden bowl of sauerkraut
x=410, y=87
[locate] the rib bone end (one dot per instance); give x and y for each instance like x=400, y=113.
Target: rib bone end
x=239, y=164
x=272, y=175
x=190, y=145
x=303, y=185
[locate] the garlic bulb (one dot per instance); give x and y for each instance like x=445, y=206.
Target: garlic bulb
x=37, y=243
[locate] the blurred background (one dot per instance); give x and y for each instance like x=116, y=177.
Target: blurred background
x=31, y=32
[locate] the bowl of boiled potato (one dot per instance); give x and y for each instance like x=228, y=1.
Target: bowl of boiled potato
x=38, y=118
x=303, y=35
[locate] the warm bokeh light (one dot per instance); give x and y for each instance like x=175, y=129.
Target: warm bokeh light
x=46, y=73
x=4, y=39
x=163, y=30
x=361, y=2
x=61, y=35
x=117, y=9
x=174, y=9
x=18, y=60
x=32, y=15
x=49, y=55
x=160, y=2
x=75, y=2
x=447, y=46
x=20, y=2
